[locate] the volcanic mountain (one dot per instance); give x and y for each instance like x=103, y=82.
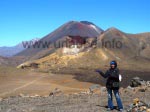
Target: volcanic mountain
x=133, y=53
x=130, y=50
x=83, y=29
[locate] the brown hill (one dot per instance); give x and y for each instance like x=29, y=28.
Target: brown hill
x=132, y=45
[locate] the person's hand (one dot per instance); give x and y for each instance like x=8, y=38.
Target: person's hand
x=98, y=70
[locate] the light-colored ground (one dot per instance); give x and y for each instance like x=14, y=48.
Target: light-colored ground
x=32, y=83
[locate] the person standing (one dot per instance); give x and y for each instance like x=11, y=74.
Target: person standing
x=112, y=85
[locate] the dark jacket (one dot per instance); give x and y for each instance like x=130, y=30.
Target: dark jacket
x=112, y=76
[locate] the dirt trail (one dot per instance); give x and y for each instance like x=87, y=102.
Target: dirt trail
x=40, y=83
x=21, y=87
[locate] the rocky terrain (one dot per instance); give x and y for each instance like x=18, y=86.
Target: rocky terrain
x=77, y=102
x=65, y=92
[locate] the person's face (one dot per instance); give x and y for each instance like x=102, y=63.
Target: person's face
x=112, y=66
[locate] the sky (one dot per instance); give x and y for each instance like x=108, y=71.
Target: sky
x=22, y=20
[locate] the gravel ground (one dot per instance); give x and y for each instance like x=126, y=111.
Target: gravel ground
x=67, y=103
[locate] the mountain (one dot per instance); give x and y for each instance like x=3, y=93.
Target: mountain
x=130, y=50
x=73, y=28
x=133, y=45
x=133, y=53
x=11, y=51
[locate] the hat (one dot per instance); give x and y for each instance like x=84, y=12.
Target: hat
x=113, y=63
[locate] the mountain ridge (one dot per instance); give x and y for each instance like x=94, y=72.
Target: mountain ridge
x=13, y=50
x=133, y=45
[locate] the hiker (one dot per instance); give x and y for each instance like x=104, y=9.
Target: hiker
x=112, y=85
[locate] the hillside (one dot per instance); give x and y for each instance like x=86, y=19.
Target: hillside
x=11, y=61
x=89, y=47
x=49, y=43
x=133, y=53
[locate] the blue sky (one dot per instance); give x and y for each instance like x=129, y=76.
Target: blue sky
x=27, y=19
